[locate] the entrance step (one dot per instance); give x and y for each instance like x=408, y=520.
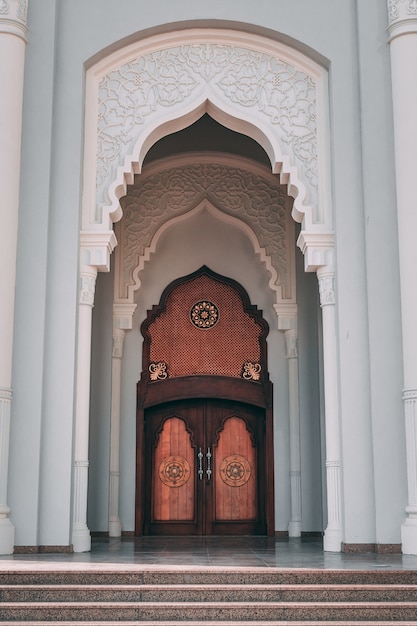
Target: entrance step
x=211, y=596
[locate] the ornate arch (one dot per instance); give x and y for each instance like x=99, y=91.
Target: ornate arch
x=232, y=189
x=162, y=84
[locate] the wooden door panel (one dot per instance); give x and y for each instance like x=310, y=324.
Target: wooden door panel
x=235, y=473
x=182, y=500
x=174, y=474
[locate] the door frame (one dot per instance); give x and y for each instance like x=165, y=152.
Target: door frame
x=204, y=421
x=204, y=387
x=155, y=392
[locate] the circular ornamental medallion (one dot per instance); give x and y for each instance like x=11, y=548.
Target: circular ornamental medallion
x=174, y=471
x=235, y=470
x=204, y=314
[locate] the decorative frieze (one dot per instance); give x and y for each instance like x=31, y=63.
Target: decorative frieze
x=258, y=201
x=13, y=17
x=326, y=289
x=291, y=342
x=87, y=289
x=278, y=92
x=401, y=9
x=402, y=17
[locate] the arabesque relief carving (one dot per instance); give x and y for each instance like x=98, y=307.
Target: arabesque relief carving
x=263, y=205
x=277, y=92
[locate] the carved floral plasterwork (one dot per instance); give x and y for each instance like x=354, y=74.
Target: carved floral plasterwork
x=87, y=290
x=326, y=290
x=14, y=9
x=401, y=9
x=142, y=89
x=264, y=206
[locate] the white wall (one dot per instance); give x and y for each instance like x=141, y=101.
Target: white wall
x=354, y=43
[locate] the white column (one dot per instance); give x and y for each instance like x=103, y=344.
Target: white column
x=81, y=538
x=287, y=322
x=294, y=527
x=12, y=59
x=122, y=321
x=115, y=527
x=333, y=535
x=403, y=43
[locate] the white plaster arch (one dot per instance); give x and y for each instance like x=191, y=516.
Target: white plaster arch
x=251, y=84
x=205, y=205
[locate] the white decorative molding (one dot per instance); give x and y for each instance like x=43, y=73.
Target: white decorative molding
x=131, y=95
x=87, y=289
x=123, y=314
x=247, y=193
x=96, y=247
x=248, y=83
x=13, y=17
x=327, y=289
x=291, y=342
x=317, y=248
x=118, y=342
x=402, y=17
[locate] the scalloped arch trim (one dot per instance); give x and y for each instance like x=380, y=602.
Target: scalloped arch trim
x=162, y=84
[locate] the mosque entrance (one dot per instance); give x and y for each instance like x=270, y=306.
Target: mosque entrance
x=204, y=413
x=205, y=465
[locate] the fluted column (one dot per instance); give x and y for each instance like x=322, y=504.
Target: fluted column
x=12, y=60
x=333, y=534
x=403, y=47
x=81, y=537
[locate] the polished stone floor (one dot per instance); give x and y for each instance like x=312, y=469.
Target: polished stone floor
x=213, y=552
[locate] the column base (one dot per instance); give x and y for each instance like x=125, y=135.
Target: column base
x=294, y=528
x=332, y=541
x=409, y=536
x=81, y=540
x=115, y=528
x=6, y=536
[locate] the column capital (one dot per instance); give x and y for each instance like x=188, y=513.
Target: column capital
x=13, y=17
x=317, y=248
x=88, y=275
x=286, y=316
x=326, y=278
x=123, y=315
x=96, y=247
x=402, y=17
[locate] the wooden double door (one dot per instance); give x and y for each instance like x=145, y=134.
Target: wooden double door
x=205, y=468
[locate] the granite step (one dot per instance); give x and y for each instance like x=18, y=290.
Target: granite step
x=208, y=596
x=210, y=623
x=205, y=611
x=205, y=576
x=208, y=593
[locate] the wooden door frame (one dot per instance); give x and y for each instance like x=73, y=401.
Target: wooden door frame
x=204, y=387
x=151, y=393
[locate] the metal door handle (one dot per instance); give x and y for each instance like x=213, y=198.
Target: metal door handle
x=200, y=464
x=208, y=470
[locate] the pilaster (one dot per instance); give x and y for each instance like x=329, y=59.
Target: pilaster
x=13, y=15
x=81, y=538
x=402, y=32
x=287, y=322
x=333, y=535
x=122, y=321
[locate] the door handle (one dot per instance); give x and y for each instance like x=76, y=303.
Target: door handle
x=200, y=464
x=208, y=470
